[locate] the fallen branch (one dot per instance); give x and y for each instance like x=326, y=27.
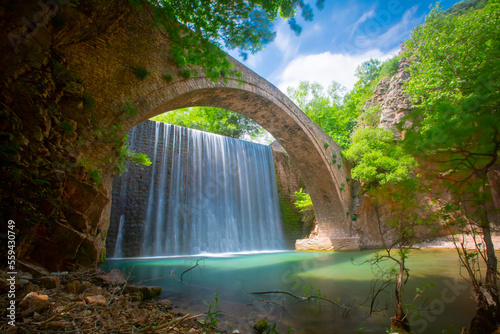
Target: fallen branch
x=342, y=306
x=196, y=265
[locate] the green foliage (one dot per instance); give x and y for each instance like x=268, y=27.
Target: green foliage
x=458, y=93
x=88, y=101
x=311, y=291
x=68, y=128
x=378, y=158
x=389, y=67
x=347, y=178
x=102, y=258
x=129, y=109
x=339, y=165
x=371, y=116
x=199, y=30
x=368, y=71
x=185, y=73
x=140, y=72
x=213, y=310
x=456, y=87
x=214, y=120
x=464, y=6
x=126, y=156
x=292, y=220
x=264, y=327
x=168, y=77
x=325, y=109
x=456, y=123
x=95, y=176
x=303, y=202
x=326, y=145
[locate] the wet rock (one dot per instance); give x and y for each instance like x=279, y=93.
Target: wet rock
x=135, y=296
x=261, y=326
x=35, y=302
x=22, y=282
x=147, y=292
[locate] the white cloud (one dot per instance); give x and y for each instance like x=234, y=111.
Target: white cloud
x=372, y=35
x=367, y=15
x=325, y=67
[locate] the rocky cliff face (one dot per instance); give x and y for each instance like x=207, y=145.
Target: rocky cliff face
x=59, y=202
x=393, y=102
x=393, y=105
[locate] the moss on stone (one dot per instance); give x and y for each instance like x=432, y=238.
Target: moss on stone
x=292, y=220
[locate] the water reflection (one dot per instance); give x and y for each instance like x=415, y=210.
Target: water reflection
x=337, y=275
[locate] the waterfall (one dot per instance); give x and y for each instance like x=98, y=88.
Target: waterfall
x=203, y=193
x=119, y=240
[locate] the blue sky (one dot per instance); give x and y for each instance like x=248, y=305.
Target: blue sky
x=340, y=37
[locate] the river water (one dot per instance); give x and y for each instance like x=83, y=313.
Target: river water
x=339, y=276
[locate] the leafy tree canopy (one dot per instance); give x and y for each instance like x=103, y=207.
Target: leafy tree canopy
x=454, y=83
x=325, y=108
x=369, y=74
x=200, y=28
x=463, y=6
x=368, y=71
x=456, y=89
x=214, y=120
x=379, y=159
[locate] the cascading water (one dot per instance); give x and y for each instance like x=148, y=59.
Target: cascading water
x=203, y=193
x=119, y=239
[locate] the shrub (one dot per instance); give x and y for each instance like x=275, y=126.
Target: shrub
x=140, y=72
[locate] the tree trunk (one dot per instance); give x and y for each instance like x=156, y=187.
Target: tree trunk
x=400, y=321
x=487, y=319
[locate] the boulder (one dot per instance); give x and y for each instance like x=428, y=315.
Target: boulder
x=147, y=292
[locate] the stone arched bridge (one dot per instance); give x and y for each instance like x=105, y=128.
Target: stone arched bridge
x=90, y=58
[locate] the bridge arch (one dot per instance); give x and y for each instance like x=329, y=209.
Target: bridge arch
x=105, y=60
